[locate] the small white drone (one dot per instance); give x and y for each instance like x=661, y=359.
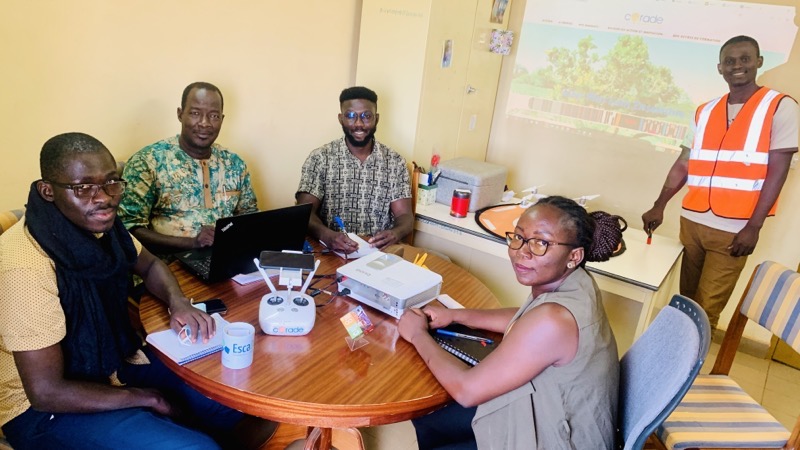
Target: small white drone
x=584, y=199
x=533, y=192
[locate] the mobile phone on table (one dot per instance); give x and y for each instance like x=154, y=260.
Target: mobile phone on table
x=214, y=305
x=286, y=260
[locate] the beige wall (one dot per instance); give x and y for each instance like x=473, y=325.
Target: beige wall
x=393, y=55
x=425, y=108
x=116, y=70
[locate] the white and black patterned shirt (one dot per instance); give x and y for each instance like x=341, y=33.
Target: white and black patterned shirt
x=359, y=193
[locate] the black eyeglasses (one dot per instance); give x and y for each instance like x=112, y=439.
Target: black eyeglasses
x=538, y=247
x=87, y=191
x=366, y=116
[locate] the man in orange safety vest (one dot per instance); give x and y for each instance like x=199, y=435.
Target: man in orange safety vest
x=737, y=164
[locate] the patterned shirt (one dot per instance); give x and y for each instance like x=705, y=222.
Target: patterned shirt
x=31, y=317
x=359, y=193
x=174, y=194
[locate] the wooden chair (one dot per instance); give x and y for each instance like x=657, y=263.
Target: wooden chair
x=414, y=188
x=659, y=368
x=339, y=439
x=9, y=218
x=716, y=413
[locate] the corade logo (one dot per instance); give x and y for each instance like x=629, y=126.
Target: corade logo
x=288, y=330
x=636, y=17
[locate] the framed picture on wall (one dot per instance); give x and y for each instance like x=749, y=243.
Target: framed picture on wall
x=498, y=11
x=447, y=53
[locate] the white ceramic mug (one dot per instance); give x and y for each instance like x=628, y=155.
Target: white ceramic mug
x=237, y=345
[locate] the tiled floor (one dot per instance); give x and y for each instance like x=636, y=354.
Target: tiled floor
x=775, y=385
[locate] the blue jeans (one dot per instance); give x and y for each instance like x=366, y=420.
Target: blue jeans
x=449, y=428
x=131, y=427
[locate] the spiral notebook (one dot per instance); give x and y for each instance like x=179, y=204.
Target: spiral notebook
x=467, y=350
x=168, y=343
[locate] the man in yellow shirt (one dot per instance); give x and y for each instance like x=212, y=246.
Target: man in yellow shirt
x=73, y=373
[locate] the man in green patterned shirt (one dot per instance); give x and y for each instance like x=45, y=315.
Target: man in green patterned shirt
x=357, y=179
x=180, y=186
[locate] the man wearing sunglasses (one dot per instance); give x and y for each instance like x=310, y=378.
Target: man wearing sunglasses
x=357, y=181
x=180, y=186
x=73, y=373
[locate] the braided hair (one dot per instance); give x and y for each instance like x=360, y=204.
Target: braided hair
x=607, y=235
x=599, y=233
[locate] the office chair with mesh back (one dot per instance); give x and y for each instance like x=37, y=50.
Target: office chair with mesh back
x=716, y=413
x=659, y=368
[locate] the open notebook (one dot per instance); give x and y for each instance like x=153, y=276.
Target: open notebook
x=168, y=343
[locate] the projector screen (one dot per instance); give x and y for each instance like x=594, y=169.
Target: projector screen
x=633, y=68
x=597, y=96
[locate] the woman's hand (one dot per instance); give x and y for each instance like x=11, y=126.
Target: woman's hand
x=412, y=324
x=438, y=316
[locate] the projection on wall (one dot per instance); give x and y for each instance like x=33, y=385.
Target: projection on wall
x=633, y=68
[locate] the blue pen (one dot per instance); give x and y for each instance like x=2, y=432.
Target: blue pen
x=464, y=336
x=339, y=222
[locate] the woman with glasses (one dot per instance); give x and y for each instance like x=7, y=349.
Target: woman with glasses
x=552, y=382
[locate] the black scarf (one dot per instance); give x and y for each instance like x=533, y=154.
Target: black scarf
x=92, y=278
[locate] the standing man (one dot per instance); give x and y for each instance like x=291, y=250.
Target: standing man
x=73, y=374
x=358, y=180
x=180, y=186
x=737, y=165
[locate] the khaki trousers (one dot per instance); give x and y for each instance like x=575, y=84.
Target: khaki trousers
x=708, y=271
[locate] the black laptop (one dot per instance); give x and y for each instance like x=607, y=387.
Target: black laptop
x=239, y=239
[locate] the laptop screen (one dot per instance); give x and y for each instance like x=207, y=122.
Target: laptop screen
x=239, y=239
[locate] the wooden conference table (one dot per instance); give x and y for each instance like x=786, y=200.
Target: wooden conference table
x=315, y=380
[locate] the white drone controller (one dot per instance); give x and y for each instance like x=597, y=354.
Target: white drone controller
x=287, y=313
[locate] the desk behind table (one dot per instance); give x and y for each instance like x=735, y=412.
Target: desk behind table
x=315, y=380
x=643, y=273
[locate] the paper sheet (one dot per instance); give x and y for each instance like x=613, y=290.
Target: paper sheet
x=247, y=278
x=449, y=302
x=363, y=248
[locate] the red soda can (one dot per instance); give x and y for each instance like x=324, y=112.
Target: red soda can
x=460, y=204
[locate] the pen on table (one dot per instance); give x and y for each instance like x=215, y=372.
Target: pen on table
x=464, y=336
x=339, y=222
x=649, y=231
x=436, y=176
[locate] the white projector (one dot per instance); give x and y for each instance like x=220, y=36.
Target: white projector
x=389, y=283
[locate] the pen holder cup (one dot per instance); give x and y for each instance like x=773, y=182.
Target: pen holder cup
x=426, y=195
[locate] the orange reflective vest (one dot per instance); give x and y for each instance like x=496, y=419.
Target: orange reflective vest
x=727, y=166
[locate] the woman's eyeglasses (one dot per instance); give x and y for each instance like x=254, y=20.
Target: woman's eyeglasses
x=538, y=247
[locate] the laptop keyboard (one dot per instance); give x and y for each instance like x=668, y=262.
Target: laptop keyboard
x=201, y=266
